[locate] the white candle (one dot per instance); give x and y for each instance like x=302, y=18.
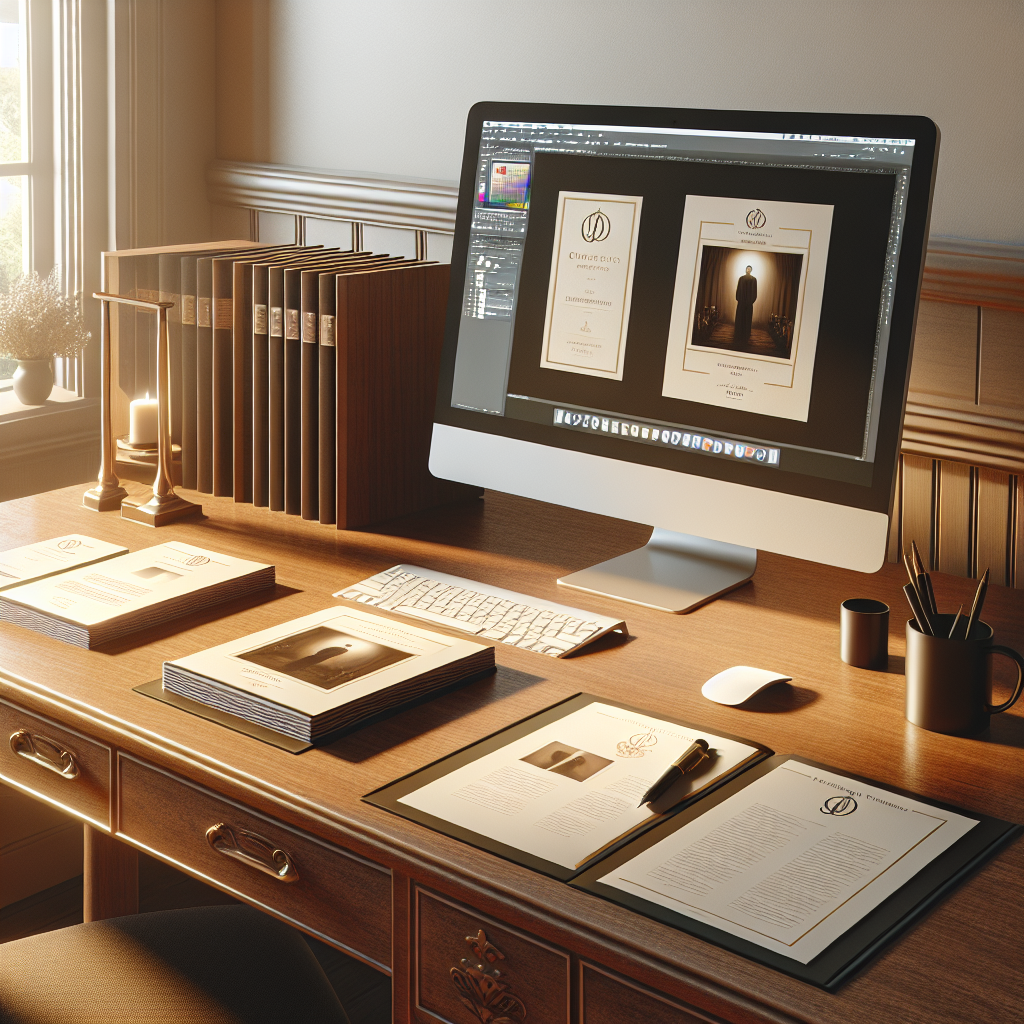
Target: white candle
x=143, y=420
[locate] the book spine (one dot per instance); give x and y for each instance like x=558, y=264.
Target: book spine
x=204, y=375
x=260, y=389
x=188, y=371
x=223, y=379
x=341, y=405
x=292, y=401
x=310, y=397
x=276, y=391
x=328, y=397
x=243, y=362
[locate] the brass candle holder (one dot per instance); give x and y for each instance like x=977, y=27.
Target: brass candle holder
x=165, y=506
x=108, y=492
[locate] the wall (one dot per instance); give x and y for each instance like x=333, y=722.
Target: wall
x=385, y=86
x=162, y=89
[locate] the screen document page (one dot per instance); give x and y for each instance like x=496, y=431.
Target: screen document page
x=792, y=861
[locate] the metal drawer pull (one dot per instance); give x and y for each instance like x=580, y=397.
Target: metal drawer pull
x=47, y=753
x=264, y=856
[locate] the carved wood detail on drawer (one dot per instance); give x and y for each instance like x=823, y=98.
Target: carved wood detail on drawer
x=608, y=999
x=339, y=895
x=470, y=969
x=55, y=763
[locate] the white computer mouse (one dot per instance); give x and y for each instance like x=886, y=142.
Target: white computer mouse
x=740, y=683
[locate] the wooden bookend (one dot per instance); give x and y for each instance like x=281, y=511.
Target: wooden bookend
x=390, y=328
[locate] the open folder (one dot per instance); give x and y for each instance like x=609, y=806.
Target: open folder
x=793, y=864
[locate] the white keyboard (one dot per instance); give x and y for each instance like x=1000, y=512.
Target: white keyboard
x=487, y=612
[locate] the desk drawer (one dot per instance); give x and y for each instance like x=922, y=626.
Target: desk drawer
x=469, y=968
x=605, y=999
x=57, y=764
x=322, y=888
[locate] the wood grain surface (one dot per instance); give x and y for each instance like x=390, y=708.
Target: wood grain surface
x=962, y=963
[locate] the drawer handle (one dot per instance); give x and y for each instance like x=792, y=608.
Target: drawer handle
x=264, y=857
x=47, y=753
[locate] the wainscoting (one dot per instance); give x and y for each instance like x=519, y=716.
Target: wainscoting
x=961, y=481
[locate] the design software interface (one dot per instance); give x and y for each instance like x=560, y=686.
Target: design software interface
x=697, y=300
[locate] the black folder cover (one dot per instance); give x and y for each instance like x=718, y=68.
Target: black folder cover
x=388, y=796
x=860, y=943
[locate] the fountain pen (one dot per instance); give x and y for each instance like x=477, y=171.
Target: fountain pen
x=691, y=757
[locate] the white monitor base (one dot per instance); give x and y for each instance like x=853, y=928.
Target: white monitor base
x=673, y=572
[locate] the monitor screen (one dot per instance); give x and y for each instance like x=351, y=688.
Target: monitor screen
x=723, y=294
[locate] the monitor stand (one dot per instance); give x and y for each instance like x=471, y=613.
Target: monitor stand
x=673, y=572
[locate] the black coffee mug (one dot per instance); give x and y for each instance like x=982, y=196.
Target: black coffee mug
x=949, y=682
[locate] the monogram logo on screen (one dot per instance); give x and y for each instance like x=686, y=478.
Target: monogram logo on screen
x=197, y=560
x=637, y=745
x=756, y=219
x=839, y=806
x=596, y=227
x=69, y=544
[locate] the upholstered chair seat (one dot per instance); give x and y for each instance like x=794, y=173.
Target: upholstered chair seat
x=210, y=965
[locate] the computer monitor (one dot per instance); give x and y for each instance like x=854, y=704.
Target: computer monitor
x=699, y=320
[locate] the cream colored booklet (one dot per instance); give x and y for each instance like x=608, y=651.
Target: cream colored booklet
x=567, y=790
x=49, y=557
x=325, y=671
x=793, y=860
x=98, y=603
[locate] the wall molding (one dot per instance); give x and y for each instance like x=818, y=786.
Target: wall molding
x=361, y=197
x=937, y=429
x=988, y=274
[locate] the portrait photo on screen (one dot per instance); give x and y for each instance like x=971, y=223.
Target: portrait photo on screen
x=325, y=657
x=746, y=304
x=737, y=310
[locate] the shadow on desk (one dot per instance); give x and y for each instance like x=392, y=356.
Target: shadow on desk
x=780, y=698
x=1007, y=730
x=434, y=713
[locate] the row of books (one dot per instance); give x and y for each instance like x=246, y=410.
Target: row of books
x=303, y=679
x=297, y=372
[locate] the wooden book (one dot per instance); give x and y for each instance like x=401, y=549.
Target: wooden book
x=223, y=363
x=244, y=367
x=311, y=438
x=118, y=276
x=389, y=329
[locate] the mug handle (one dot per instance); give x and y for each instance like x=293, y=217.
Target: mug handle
x=1019, y=662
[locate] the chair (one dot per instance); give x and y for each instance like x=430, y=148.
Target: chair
x=209, y=965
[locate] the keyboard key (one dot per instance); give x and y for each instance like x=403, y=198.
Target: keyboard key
x=475, y=608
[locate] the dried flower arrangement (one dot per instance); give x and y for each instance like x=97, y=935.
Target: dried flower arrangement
x=37, y=321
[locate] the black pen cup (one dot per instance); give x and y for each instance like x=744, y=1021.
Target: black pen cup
x=949, y=682
x=864, y=633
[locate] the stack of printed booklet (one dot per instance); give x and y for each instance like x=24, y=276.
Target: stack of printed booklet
x=87, y=592
x=301, y=680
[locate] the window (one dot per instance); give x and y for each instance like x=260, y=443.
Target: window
x=14, y=150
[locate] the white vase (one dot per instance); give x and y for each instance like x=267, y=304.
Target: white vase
x=33, y=381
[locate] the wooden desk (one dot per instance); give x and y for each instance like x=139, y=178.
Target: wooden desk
x=405, y=898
